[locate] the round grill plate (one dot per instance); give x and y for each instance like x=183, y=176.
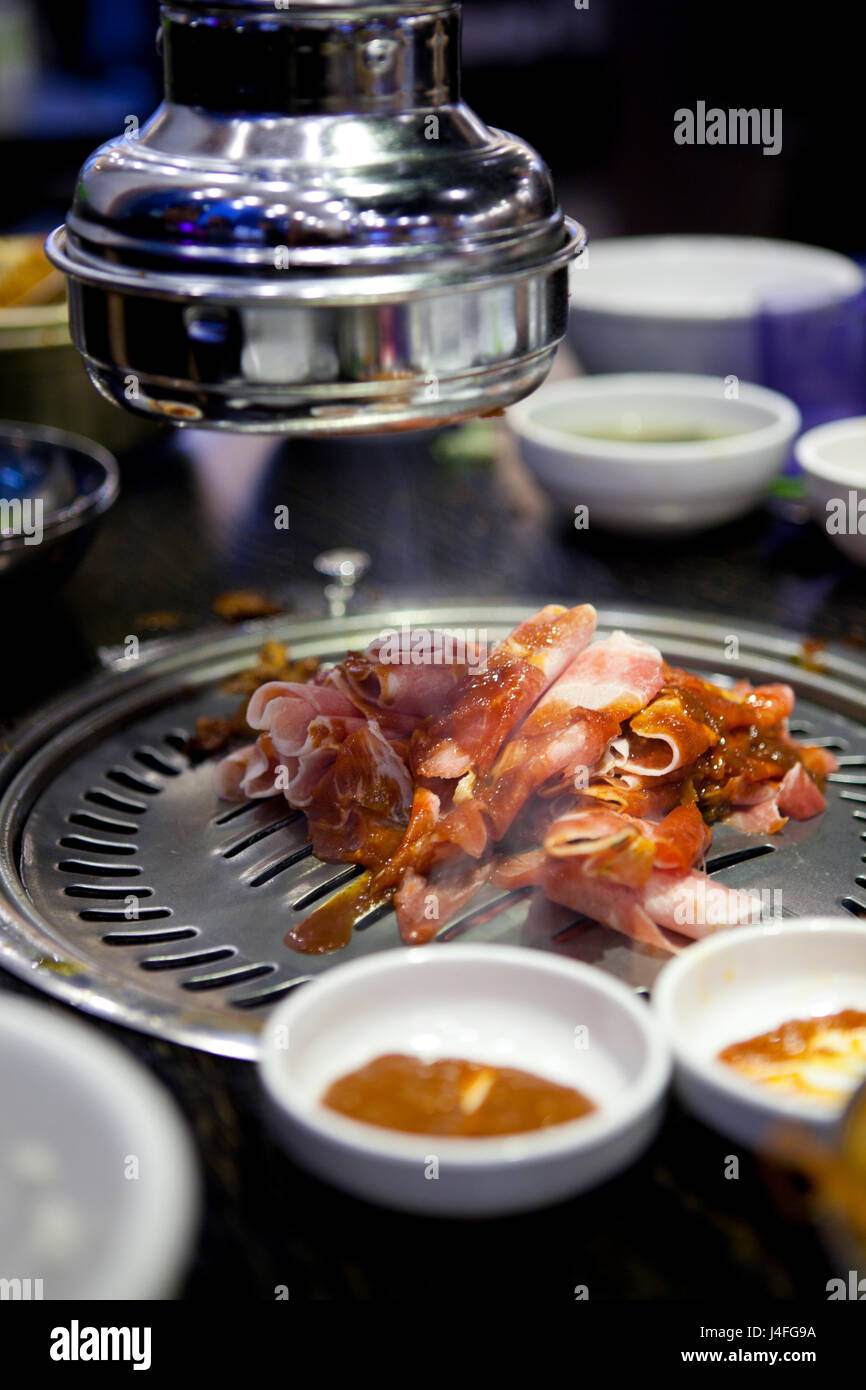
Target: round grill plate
x=130, y=890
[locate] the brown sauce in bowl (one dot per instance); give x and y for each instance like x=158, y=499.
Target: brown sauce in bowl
x=452, y=1097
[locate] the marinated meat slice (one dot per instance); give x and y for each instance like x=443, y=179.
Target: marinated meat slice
x=393, y=675
x=797, y=796
x=686, y=903
x=359, y=811
x=248, y=772
x=625, y=850
x=571, y=726
x=690, y=717
x=284, y=709
x=488, y=705
x=425, y=904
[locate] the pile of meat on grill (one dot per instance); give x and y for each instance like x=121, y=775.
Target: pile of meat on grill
x=586, y=767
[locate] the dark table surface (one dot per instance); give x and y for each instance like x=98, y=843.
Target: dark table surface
x=439, y=519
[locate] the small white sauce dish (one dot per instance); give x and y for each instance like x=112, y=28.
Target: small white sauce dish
x=720, y=447
x=740, y=984
x=695, y=303
x=506, y=1006
x=833, y=458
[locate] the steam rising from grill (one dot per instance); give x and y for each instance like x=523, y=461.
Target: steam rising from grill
x=313, y=233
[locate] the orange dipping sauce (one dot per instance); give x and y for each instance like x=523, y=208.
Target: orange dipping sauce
x=822, y=1058
x=453, y=1097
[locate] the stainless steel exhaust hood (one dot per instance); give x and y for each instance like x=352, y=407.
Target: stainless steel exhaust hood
x=313, y=233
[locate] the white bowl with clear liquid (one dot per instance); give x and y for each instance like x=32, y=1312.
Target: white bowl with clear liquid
x=654, y=453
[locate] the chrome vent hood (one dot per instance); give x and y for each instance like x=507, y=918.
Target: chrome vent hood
x=313, y=233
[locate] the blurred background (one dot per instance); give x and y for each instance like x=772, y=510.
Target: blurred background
x=594, y=89
x=594, y=85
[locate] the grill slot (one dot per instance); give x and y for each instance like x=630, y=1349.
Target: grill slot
x=323, y=881
x=107, y=914
x=857, y=909
x=150, y=758
x=114, y=803
x=221, y=978
x=237, y=811
x=184, y=962
x=123, y=778
x=95, y=846
x=257, y=835
x=80, y=866
x=374, y=915
x=93, y=890
x=148, y=938
x=286, y=862
x=270, y=996
x=573, y=930
x=331, y=882
x=717, y=862
x=91, y=822
x=476, y=916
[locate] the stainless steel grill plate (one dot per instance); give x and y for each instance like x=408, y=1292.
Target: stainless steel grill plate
x=128, y=889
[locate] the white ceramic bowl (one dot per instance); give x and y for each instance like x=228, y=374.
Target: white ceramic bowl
x=833, y=458
x=693, y=303
x=99, y=1188
x=496, y=1004
x=744, y=982
x=658, y=489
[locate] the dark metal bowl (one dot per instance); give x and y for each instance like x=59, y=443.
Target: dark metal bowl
x=54, y=487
